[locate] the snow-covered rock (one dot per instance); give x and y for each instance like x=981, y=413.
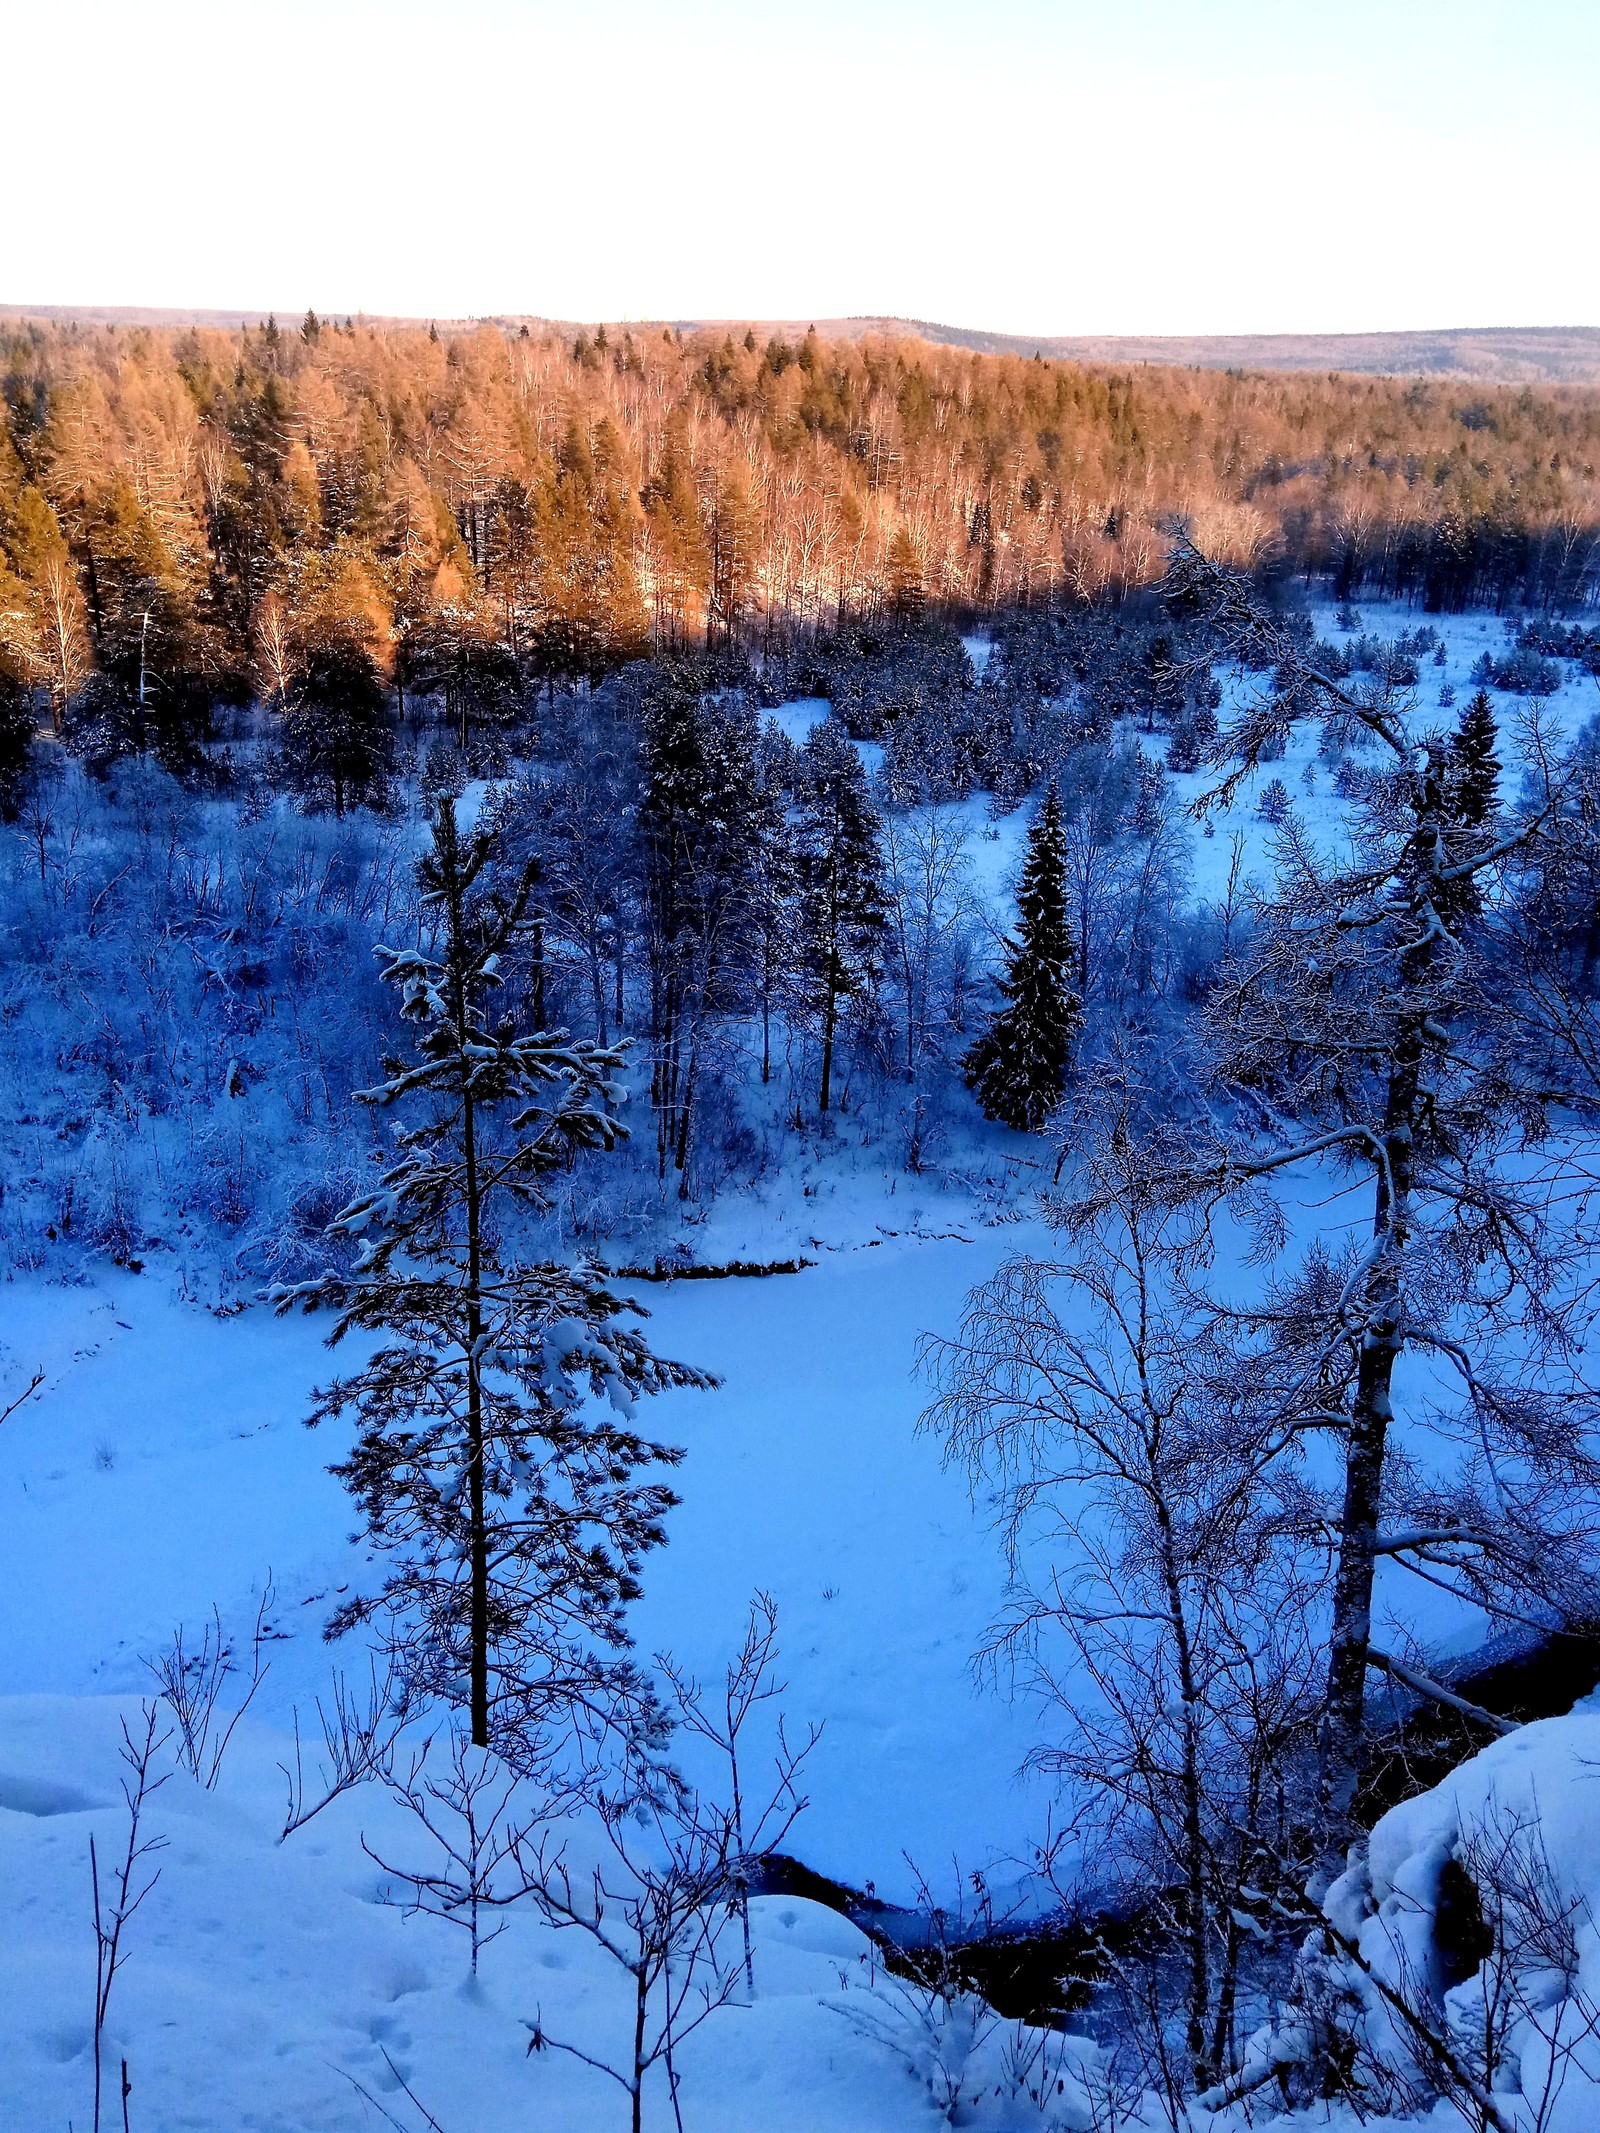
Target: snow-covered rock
x=1476, y=1905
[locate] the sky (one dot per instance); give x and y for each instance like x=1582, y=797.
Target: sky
x=1027, y=166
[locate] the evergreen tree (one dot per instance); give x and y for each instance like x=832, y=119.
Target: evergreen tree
x=840, y=874
x=907, y=595
x=1474, y=768
x=1471, y=792
x=1017, y=1067
x=337, y=741
x=772, y=933
x=494, y=1463
x=700, y=851
x=456, y=655
x=17, y=724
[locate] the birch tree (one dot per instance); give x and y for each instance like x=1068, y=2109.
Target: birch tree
x=1354, y=1027
x=1159, y=1606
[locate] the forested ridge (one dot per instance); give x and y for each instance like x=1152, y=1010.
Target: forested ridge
x=195, y=518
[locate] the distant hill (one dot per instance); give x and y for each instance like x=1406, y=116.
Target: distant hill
x=1497, y=355
x=1494, y=355
x=130, y=315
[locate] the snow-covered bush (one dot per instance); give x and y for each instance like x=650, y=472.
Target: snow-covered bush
x=975, y=2069
x=187, y=999
x=1522, y=672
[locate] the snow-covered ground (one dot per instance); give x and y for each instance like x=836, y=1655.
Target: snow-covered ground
x=161, y=1468
x=1520, y=1825
x=268, y=1985
x=1241, y=827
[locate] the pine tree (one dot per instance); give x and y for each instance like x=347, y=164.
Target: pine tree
x=1017, y=1067
x=494, y=1463
x=840, y=871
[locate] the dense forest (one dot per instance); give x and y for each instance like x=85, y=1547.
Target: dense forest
x=193, y=519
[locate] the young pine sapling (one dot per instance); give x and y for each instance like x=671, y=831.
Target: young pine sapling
x=495, y=1462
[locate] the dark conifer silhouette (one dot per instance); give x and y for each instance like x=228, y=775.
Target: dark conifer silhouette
x=1017, y=1067
x=1474, y=766
x=1471, y=793
x=337, y=740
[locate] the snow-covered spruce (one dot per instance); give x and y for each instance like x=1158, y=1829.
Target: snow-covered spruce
x=1018, y=1066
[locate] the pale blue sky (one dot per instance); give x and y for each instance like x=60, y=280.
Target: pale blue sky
x=1151, y=166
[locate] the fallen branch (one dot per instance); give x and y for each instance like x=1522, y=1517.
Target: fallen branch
x=1429, y=2039
x=37, y=1380
x=1425, y=1685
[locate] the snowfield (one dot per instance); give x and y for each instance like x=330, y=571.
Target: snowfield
x=269, y=1984
x=162, y=1467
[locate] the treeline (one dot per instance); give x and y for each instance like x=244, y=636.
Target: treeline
x=190, y=520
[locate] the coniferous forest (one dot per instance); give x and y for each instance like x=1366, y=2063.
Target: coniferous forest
x=194, y=519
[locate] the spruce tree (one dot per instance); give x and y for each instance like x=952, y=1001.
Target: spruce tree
x=701, y=850
x=1474, y=768
x=840, y=873
x=1471, y=794
x=1018, y=1066
x=495, y=1463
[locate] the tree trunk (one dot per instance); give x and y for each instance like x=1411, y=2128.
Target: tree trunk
x=1341, y=1749
x=96, y=619
x=830, y=1019
x=641, y=1998
x=685, y=1116
x=1195, y=1956
x=536, y=973
x=597, y=986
